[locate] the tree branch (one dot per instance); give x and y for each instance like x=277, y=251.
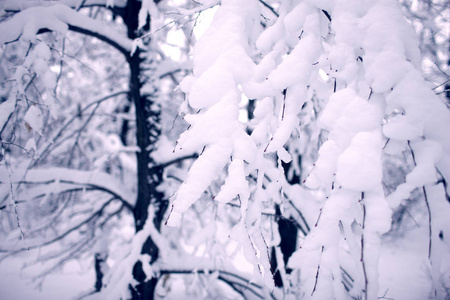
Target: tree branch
x=426, y=202
x=103, y=38
x=366, y=282
x=246, y=284
x=95, y=215
x=65, y=126
x=177, y=160
x=75, y=21
x=88, y=186
x=317, y=273
x=269, y=7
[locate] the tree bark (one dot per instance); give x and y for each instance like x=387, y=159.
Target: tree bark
x=149, y=175
x=99, y=260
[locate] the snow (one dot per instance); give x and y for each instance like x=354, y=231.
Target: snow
x=203, y=21
x=210, y=87
x=200, y=176
x=365, y=99
x=378, y=214
x=440, y=245
x=15, y=5
x=350, y=159
x=214, y=92
x=6, y=109
x=219, y=122
x=386, y=70
x=296, y=18
x=225, y=31
x=59, y=177
x=386, y=16
x=422, y=174
x=271, y=36
x=359, y=166
x=399, y=128
x=403, y=274
x=324, y=170
x=148, y=9
x=342, y=58
x=17, y=283
x=235, y=184
x=298, y=65
x=33, y=118
x=347, y=114
x=27, y=23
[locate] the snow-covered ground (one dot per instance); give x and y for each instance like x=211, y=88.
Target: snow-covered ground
x=17, y=284
x=404, y=274
x=404, y=267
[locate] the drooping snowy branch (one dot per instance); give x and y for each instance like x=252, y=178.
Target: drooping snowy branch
x=361, y=64
x=18, y=5
x=59, y=18
x=63, y=176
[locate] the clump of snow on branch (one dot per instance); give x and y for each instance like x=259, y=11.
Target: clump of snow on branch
x=374, y=95
x=222, y=65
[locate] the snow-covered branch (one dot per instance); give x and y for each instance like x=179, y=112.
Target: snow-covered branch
x=18, y=5
x=63, y=179
x=27, y=24
x=98, y=213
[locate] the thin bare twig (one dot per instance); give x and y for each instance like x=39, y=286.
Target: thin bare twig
x=317, y=273
x=270, y=8
x=426, y=203
x=13, y=202
x=44, y=153
x=366, y=282
x=227, y=277
x=66, y=233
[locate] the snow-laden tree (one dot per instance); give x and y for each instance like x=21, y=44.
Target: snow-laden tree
x=323, y=157
x=343, y=134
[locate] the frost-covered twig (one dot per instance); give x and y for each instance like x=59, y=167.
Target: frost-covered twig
x=80, y=130
x=384, y=296
x=18, y=146
x=13, y=202
x=63, y=16
x=229, y=278
x=51, y=145
x=61, y=66
x=77, y=251
x=85, y=186
x=65, y=233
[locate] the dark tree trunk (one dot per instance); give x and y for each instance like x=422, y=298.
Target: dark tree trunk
x=147, y=133
x=149, y=175
x=288, y=241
